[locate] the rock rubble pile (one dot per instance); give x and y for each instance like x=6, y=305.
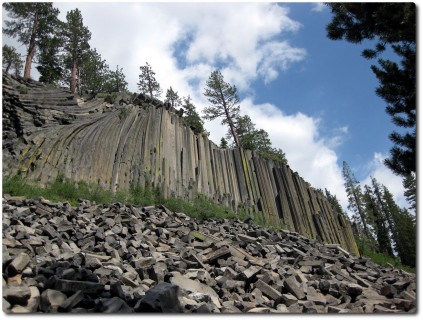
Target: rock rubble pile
x=123, y=259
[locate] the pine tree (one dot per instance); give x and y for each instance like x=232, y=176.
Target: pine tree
x=391, y=24
x=223, y=143
x=115, y=81
x=410, y=185
x=76, y=37
x=224, y=100
x=148, y=84
x=172, y=97
x=334, y=202
x=191, y=117
x=377, y=218
x=355, y=199
x=11, y=60
x=30, y=21
x=93, y=71
x=49, y=62
x=404, y=231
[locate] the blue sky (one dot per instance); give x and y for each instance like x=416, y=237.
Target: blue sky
x=316, y=97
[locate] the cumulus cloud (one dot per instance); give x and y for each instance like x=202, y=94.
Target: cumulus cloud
x=318, y=7
x=300, y=137
x=247, y=41
x=383, y=175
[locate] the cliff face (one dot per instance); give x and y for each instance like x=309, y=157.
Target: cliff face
x=47, y=131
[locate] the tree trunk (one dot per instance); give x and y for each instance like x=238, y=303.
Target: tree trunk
x=8, y=67
x=31, y=49
x=73, y=77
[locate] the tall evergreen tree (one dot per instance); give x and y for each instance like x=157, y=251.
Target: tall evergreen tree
x=391, y=24
x=49, y=62
x=116, y=81
x=355, y=198
x=30, y=21
x=404, y=232
x=223, y=99
x=191, y=117
x=173, y=98
x=93, y=71
x=11, y=60
x=410, y=185
x=76, y=37
x=377, y=218
x=148, y=84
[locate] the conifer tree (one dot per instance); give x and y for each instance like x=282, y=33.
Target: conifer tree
x=404, y=232
x=76, y=37
x=223, y=143
x=355, y=198
x=115, y=81
x=30, y=22
x=173, y=98
x=11, y=60
x=410, y=185
x=148, y=84
x=377, y=218
x=191, y=117
x=49, y=62
x=334, y=202
x=394, y=25
x=223, y=99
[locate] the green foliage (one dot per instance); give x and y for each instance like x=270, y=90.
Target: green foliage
x=386, y=260
x=63, y=189
x=223, y=99
x=30, y=22
x=223, y=143
x=334, y=202
x=115, y=81
x=191, y=117
x=123, y=113
x=410, y=185
x=75, y=40
x=257, y=140
x=23, y=89
x=355, y=198
x=49, y=61
x=148, y=84
x=11, y=60
x=391, y=24
x=172, y=97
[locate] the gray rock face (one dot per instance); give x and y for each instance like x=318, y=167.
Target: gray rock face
x=48, y=131
x=190, y=266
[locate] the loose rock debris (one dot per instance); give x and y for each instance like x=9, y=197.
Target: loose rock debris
x=124, y=259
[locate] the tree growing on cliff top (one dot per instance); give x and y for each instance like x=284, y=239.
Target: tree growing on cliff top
x=191, y=117
x=224, y=100
x=30, y=22
x=11, y=60
x=257, y=140
x=173, y=98
x=148, y=84
x=76, y=37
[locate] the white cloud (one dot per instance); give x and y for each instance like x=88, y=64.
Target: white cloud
x=300, y=137
x=185, y=42
x=318, y=7
x=383, y=175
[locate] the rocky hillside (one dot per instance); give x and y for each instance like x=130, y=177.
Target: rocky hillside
x=124, y=140
x=120, y=259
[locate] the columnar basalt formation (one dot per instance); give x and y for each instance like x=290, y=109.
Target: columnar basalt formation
x=124, y=140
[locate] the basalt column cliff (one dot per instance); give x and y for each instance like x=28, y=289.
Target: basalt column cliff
x=130, y=139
